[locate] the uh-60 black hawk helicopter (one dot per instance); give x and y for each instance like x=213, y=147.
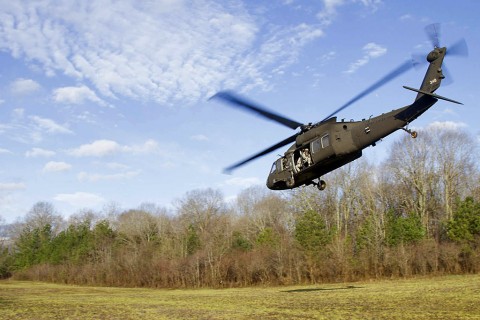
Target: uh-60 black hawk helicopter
x=327, y=145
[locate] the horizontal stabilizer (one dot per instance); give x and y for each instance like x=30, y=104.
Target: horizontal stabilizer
x=432, y=95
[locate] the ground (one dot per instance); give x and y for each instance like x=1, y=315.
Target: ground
x=448, y=297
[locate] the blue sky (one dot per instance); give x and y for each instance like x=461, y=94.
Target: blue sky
x=106, y=101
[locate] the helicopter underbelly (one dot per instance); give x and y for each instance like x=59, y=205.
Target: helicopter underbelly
x=288, y=180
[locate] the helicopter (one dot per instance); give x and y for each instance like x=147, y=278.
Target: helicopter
x=327, y=145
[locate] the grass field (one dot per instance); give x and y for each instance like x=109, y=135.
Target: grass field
x=451, y=297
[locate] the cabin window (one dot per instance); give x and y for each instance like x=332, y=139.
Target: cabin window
x=325, y=141
x=316, y=146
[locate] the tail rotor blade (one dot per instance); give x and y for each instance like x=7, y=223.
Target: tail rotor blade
x=459, y=48
x=448, y=76
x=433, y=33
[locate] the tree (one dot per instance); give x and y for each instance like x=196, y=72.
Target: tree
x=464, y=226
x=311, y=232
x=410, y=170
x=403, y=229
x=455, y=155
x=41, y=214
x=312, y=235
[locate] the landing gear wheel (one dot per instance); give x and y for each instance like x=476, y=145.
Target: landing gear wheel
x=414, y=134
x=321, y=185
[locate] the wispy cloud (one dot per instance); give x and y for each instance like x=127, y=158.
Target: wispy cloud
x=449, y=125
x=56, y=166
x=101, y=148
x=24, y=86
x=80, y=199
x=98, y=148
x=243, y=182
x=329, y=12
x=371, y=51
x=94, y=177
x=5, y=151
x=161, y=52
x=12, y=186
x=76, y=95
x=39, y=152
x=49, y=125
x=199, y=137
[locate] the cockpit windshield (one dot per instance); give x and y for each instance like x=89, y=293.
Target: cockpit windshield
x=274, y=167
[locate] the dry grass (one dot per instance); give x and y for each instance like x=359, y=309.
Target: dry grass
x=451, y=297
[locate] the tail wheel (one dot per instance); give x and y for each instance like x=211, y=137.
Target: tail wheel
x=414, y=134
x=321, y=185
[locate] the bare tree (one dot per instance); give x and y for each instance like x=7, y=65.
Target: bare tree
x=455, y=153
x=41, y=214
x=411, y=174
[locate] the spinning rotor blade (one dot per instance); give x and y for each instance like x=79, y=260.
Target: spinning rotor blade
x=252, y=107
x=404, y=67
x=262, y=153
x=459, y=48
x=433, y=33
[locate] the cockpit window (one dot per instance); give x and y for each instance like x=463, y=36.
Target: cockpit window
x=274, y=167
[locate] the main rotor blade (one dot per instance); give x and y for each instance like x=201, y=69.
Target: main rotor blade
x=459, y=48
x=404, y=67
x=262, y=153
x=253, y=107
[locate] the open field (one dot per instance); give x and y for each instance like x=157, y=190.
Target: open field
x=451, y=297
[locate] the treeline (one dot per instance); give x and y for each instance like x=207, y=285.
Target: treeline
x=416, y=213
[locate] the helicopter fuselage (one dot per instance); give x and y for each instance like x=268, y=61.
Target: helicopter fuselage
x=329, y=144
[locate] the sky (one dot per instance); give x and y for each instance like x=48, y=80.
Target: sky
x=107, y=101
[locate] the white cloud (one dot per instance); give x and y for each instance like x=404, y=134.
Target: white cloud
x=12, y=186
x=98, y=148
x=371, y=51
x=39, y=152
x=18, y=113
x=116, y=166
x=406, y=17
x=5, y=151
x=374, y=50
x=101, y=148
x=243, y=182
x=49, y=125
x=24, y=86
x=199, y=137
x=54, y=166
x=149, y=50
x=449, y=125
x=76, y=95
x=94, y=177
x=148, y=146
x=80, y=199
x=329, y=11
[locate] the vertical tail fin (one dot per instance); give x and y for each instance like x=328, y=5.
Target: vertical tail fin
x=433, y=77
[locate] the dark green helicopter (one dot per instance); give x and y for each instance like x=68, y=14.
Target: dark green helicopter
x=327, y=145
